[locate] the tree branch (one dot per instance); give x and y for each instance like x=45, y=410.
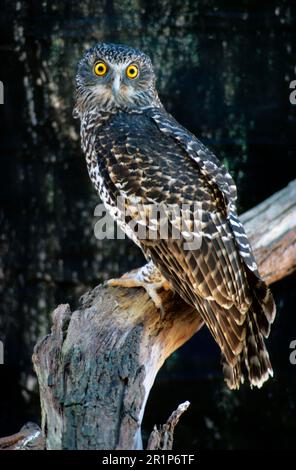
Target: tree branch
x=29, y=437
x=162, y=438
x=271, y=228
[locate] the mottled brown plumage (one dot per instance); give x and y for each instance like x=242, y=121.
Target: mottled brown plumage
x=137, y=151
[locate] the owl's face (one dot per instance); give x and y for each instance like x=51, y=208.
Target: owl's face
x=114, y=76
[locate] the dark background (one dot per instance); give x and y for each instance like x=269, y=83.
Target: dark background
x=224, y=69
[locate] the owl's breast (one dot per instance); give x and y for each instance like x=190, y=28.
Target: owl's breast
x=100, y=177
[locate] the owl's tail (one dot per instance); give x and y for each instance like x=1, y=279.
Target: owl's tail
x=253, y=361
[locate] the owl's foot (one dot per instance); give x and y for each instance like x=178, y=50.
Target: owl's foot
x=147, y=277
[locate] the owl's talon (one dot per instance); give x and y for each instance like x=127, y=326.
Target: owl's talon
x=123, y=282
x=144, y=277
x=152, y=291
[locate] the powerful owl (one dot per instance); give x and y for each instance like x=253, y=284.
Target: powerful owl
x=136, y=152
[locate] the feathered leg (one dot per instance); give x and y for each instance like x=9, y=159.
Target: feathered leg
x=147, y=277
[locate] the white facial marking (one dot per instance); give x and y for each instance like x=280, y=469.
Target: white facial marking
x=116, y=84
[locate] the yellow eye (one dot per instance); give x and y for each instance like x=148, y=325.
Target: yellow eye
x=100, y=69
x=132, y=71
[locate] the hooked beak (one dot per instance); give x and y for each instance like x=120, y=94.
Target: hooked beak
x=116, y=85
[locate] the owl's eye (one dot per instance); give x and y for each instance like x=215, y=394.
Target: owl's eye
x=132, y=71
x=100, y=69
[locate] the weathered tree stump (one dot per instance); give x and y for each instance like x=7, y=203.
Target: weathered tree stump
x=96, y=368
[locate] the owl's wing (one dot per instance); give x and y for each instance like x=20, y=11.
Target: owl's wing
x=150, y=159
x=216, y=175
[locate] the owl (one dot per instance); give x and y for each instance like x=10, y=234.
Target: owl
x=137, y=153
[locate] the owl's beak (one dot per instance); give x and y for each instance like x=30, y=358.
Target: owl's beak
x=116, y=85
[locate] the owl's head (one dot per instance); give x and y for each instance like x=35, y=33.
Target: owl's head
x=114, y=76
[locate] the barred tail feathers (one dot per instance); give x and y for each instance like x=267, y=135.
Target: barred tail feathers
x=254, y=361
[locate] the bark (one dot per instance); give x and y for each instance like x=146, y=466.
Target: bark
x=96, y=368
x=162, y=437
